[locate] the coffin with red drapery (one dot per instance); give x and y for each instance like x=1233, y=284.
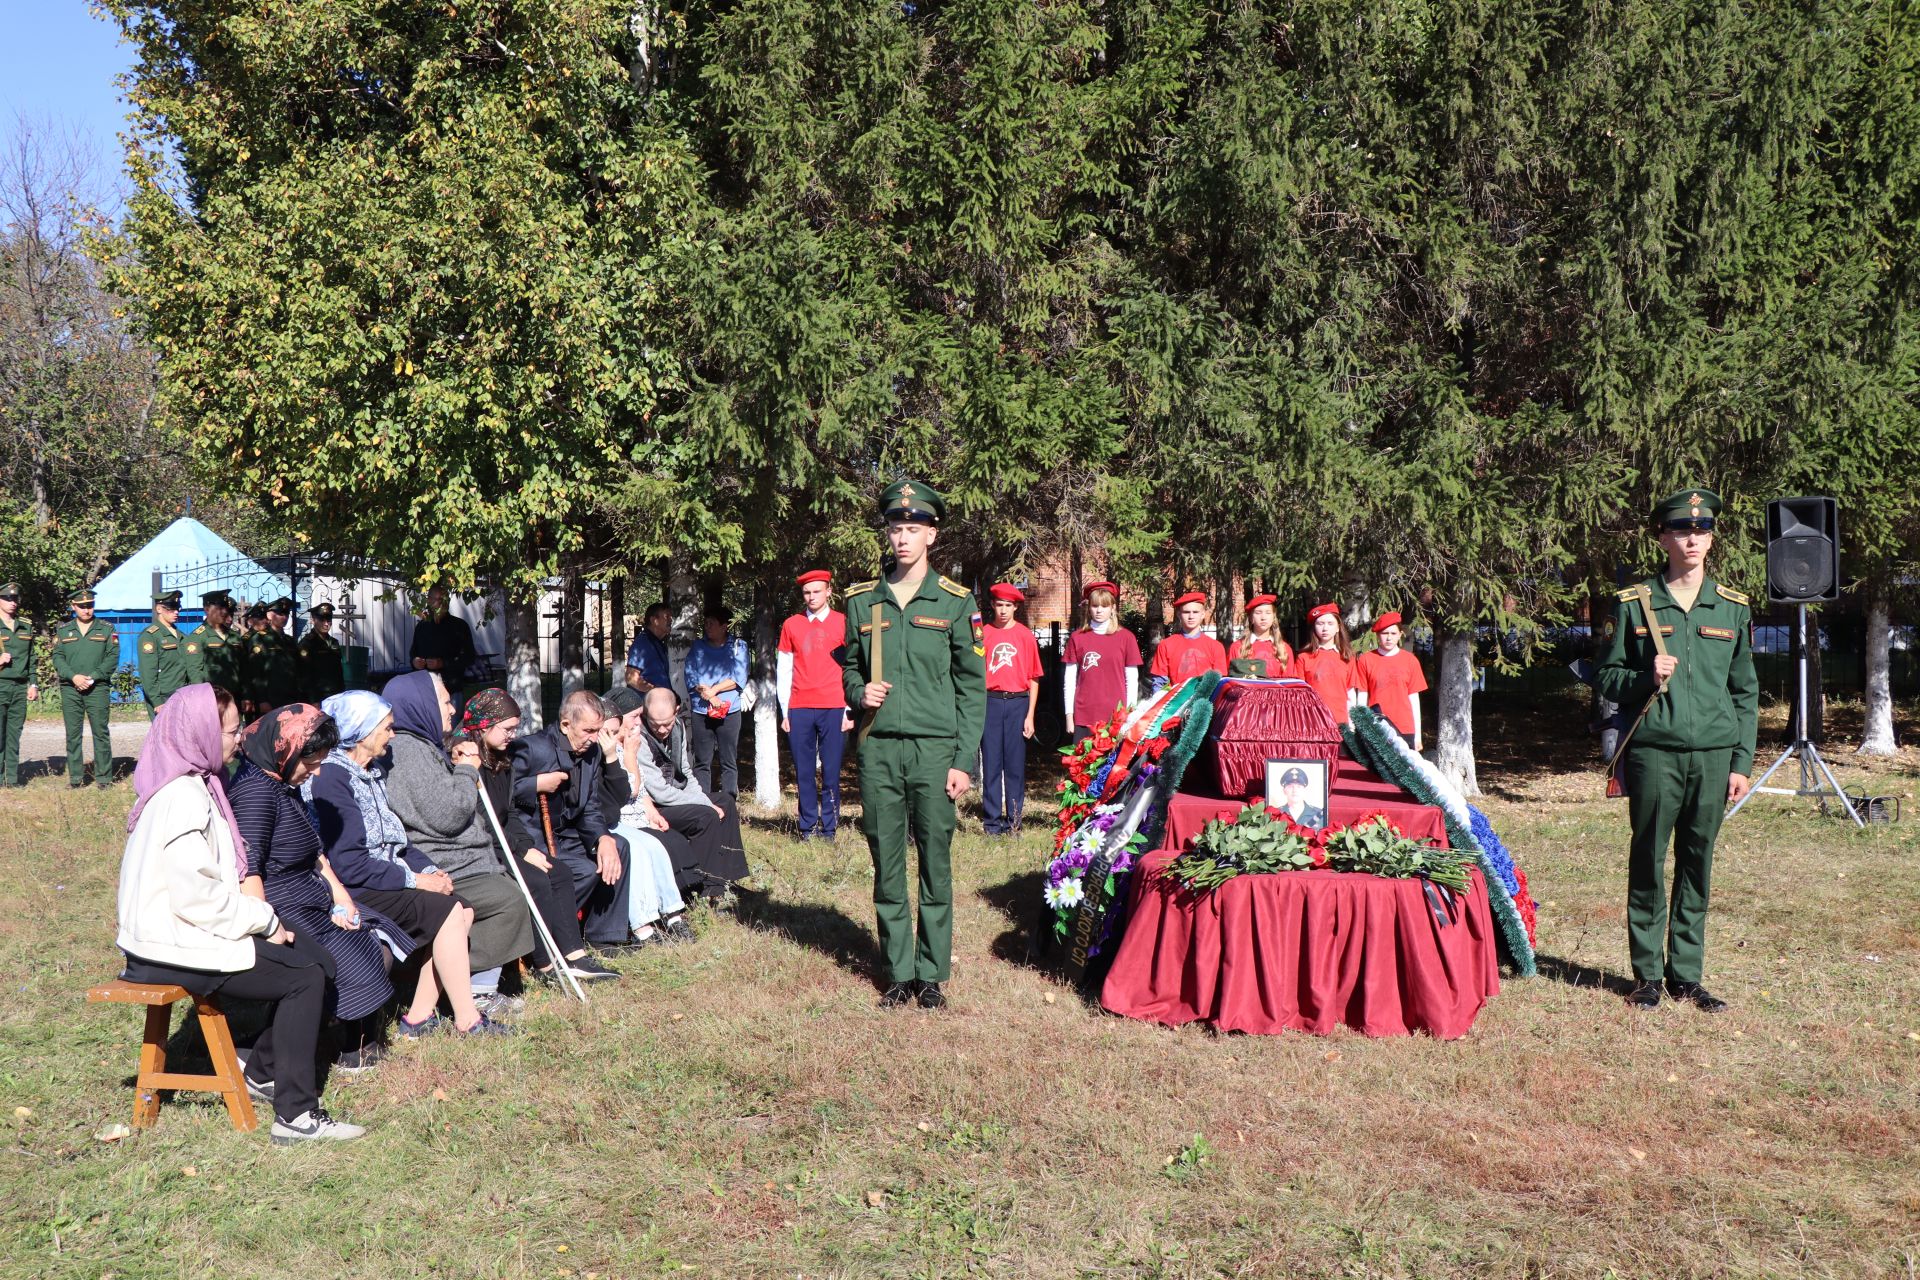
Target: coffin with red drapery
x=1255, y=721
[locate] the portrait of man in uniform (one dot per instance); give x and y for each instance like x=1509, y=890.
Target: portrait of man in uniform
x=1298, y=788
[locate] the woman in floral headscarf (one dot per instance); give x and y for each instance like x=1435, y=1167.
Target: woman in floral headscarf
x=279, y=752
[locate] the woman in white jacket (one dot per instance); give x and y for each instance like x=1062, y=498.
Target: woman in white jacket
x=185, y=920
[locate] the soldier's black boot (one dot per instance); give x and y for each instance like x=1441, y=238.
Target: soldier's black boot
x=1644, y=996
x=931, y=997
x=1696, y=995
x=896, y=995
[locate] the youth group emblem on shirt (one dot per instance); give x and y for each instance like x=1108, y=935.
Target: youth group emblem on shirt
x=1090, y=659
x=1003, y=655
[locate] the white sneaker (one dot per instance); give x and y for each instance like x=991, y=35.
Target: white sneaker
x=314, y=1126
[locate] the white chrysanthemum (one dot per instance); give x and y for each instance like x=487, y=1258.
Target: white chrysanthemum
x=1071, y=892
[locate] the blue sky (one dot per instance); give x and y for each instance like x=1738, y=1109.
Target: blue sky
x=57, y=64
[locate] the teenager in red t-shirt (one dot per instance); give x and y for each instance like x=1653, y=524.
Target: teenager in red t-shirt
x=1013, y=690
x=1182, y=657
x=1262, y=643
x=1102, y=661
x=813, y=705
x=1390, y=679
x=1327, y=663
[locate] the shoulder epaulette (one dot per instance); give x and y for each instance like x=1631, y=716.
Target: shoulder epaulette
x=151, y=626
x=1731, y=594
x=951, y=587
x=858, y=588
x=1628, y=593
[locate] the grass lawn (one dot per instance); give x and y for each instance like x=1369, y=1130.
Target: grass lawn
x=740, y=1108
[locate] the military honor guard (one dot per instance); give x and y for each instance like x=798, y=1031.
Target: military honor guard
x=1188, y=653
x=1013, y=692
x=1389, y=679
x=813, y=701
x=1679, y=659
x=86, y=653
x=914, y=667
x=273, y=661
x=214, y=647
x=162, y=654
x=321, y=672
x=17, y=686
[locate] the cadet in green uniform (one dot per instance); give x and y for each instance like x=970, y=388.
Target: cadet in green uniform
x=86, y=653
x=273, y=661
x=17, y=687
x=913, y=664
x=162, y=654
x=1692, y=749
x=213, y=647
x=256, y=622
x=321, y=675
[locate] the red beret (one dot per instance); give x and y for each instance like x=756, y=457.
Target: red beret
x=1322, y=610
x=1259, y=600
x=814, y=575
x=1386, y=620
x=1102, y=585
x=1006, y=591
x=1192, y=597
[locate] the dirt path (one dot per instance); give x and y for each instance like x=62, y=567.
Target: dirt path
x=43, y=748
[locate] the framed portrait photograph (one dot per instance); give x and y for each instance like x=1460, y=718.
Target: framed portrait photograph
x=1298, y=788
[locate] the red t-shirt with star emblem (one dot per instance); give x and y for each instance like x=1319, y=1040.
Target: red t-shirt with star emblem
x=1013, y=658
x=1102, y=662
x=1390, y=684
x=815, y=646
x=1183, y=657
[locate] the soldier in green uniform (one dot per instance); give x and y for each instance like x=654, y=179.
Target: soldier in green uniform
x=213, y=647
x=273, y=661
x=17, y=687
x=321, y=675
x=913, y=664
x=162, y=654
x=1679, y=645
x=255, y=623
x=86, y=653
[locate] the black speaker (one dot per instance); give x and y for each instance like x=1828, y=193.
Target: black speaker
x=1803, y=550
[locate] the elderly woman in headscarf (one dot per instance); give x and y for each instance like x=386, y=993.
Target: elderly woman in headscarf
x=184, y=920
x=279, y=752
x=368, y=850
x=439, y=805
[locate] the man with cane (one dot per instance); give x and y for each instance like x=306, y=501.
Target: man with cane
x=913, y=665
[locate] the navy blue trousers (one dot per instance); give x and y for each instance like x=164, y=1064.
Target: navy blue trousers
x=1003, y=762
x=818, y=744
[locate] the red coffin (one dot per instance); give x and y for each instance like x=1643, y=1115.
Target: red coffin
x=1255, y=721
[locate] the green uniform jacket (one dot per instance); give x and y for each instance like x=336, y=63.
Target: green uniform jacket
x=163, y=663
x=92, y=650
x=213, y=657
x=321, y=675
x=1713, y=699
x=930, y=653
x=18, y=641
x=273, y=668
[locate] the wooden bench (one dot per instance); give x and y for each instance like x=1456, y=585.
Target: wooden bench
x=154, y=1076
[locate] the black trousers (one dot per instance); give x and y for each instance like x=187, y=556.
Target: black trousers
x=553, y=893
x=716, y=742
x=295, y=983
x=714, y=838
x=604, y=906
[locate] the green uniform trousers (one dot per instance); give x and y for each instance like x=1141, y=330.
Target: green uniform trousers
x=92, y=706
x=13, y=718
x=1679, y=796
x=903, y=787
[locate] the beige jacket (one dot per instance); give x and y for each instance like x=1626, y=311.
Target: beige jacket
x=180, y=899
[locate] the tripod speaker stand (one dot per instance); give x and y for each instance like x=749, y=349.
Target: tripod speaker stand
x=1812, y=768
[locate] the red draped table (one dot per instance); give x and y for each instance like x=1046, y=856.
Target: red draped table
x=1305, y=950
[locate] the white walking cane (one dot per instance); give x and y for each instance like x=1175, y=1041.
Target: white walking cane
x=519, y=877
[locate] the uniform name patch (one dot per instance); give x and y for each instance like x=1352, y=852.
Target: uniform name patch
x=937, y=624
x=1718, y=633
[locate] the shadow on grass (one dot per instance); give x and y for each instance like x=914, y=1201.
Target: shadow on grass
x=1582, y=975
x=1018, y=899
x=816, y=926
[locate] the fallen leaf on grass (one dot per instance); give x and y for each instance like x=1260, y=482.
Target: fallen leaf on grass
x=1331, y=1055
x=1673, y=1077
x=1913, y=1035
x=924, y=1127
x=23, y=1113
x=1048, y=997
x=439, y=1095
x=876, y=1198
x=677, y=1017
x=188, y=1171
x=113, y=1133
x=1636, y=1153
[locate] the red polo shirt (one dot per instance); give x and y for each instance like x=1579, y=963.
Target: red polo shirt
x=1390, y=684
x=815, y=646
x=1013, y=658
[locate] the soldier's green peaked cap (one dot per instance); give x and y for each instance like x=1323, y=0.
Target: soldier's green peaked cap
x=1687, y=510
x=912, y=500
x=169, y=598
x=282, y=605
x=10, y=590
x=208, y=599
x=83, y=598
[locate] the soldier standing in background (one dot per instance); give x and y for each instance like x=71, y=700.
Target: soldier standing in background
x=273, y=661
x=163, y=654
x=213, y=647
x=321, y=673
x=17, y=687
x=86, y=653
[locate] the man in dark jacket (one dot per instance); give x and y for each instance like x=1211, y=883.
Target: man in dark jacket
x=562, y=764
x=443, y=642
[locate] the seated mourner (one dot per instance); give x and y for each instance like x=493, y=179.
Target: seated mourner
x=367, y=848
x=280, y=751
x=561, y=766
x=660, y=858
x=184, y=919
x=664, y=759
x=487, y=729
x=440, y=807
